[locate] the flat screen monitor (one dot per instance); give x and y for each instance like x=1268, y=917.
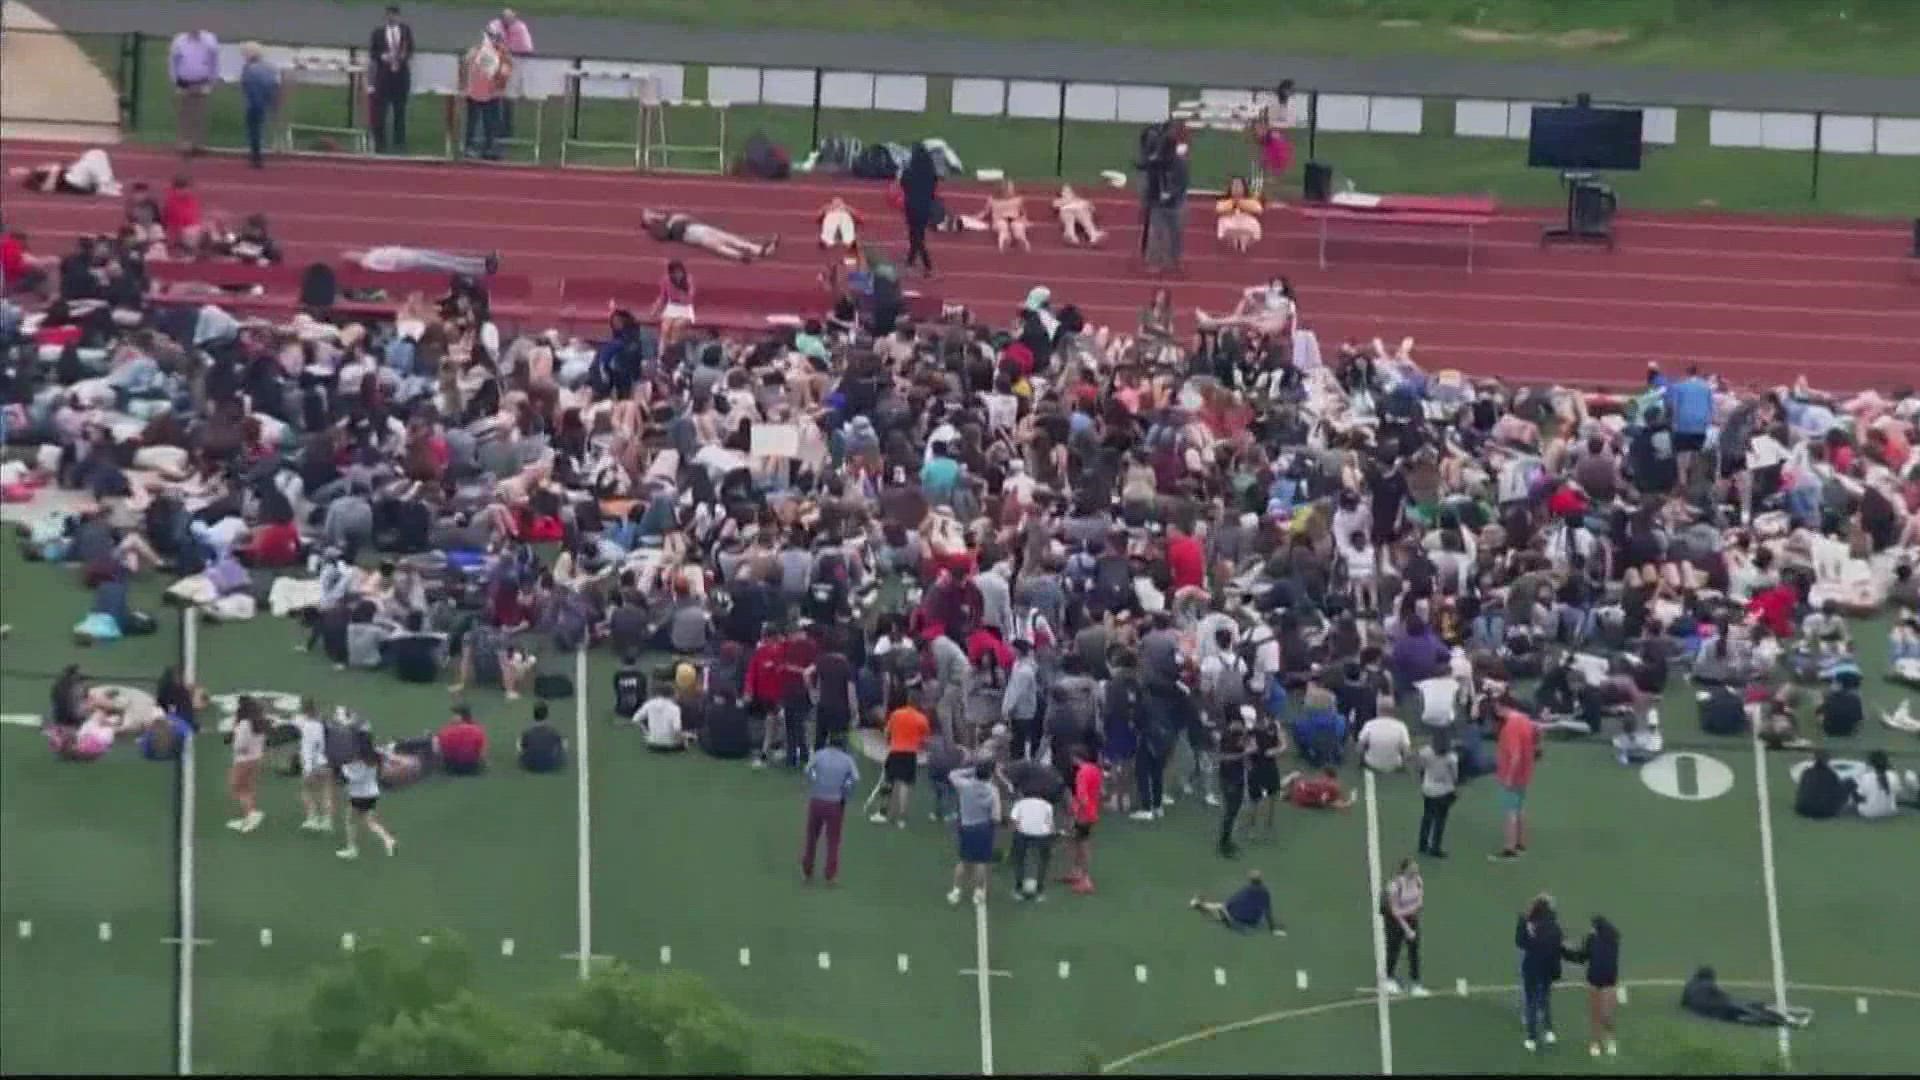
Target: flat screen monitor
x=1584, y=139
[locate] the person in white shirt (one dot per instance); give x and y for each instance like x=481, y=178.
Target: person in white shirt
x=316, y=776
x=394, y=259
x=1385, y=744
x=1032, y=819
x=1879, y=791
x=243, y=776
x=660, y=715
x=362, y=776
x=1362, y=572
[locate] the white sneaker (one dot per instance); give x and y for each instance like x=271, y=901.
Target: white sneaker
x=252, y=821
x=979, y=897
x=953, y=897
x=1549, y=1038
x=1391, y=987
x=759, y=763
x=901, y=824
x=1160, y=813
x=1031, y=886
x=1143, y=815
x=1212, y=799
x=1530, y=1045
x=877, y=819
x=238, y=824
x=1593, y=1049
x=392, y=845
x=348, y=853
x=1419, y=991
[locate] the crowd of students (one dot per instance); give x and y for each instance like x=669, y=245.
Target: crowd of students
x=1039, y=559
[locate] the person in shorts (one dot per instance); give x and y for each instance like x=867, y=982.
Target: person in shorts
x=979, y=809
x=1250, y=907
x=907, y=731
x=362, y=776
x=1518, y=749
x=1088, y=783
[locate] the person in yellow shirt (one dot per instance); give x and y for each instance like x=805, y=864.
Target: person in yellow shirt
x=1237, y=216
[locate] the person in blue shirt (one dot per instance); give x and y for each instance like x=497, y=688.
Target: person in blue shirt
x=260, y=88
x=1690, y=404
x=1247, y=909
x=940, y=476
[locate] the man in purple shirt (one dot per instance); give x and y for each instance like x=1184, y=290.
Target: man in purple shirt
x=193, y=64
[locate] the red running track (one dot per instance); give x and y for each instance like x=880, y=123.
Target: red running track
x=1759, y=299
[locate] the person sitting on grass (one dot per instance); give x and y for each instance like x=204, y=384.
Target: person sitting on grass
x=1249, y=908
x=1237, y=216
x=1703, y=996
x=1076, y=218
x=542, y=749
x=462, y=744
x=1820, y=793
x=668, y=226
x=661, y=718
x=1316, y=792
x=1007, y=212
x=1878, y=791
x=1776, y=726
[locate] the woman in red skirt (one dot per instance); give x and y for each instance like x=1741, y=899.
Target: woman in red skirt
x=1270, y=138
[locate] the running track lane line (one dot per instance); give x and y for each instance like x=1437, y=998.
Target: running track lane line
x=1377, y=924
x=585, y=823
x=187, y=928
x=983, y=979
x=1357, y=1001
x=1776, y=953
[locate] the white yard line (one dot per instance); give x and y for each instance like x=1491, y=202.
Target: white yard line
x=585, y=886
x=1374, y=885
x=983, y=978
x=189, y=937
x=1777, y=953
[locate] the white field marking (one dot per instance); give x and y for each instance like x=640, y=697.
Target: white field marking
x=1377, y=923
x=1300, y=979
x=596, y=958
x=1460, y=987
x=1139, y=973
x=1363, y=1000
x=1066, y=969
x=26, y=929
x=1860, y=1005
x=198, y=943
x=266, y=937
x=995, y=972
x=581, y=770
x=20, y=719
x=506, y=946
x=106, y=931
x=1219, y=976
x=826, y=962
x=666, y=954
x=746, y=956
x=426, y=939
x=189, y=914
x=1622, y=995
x=1774, y=949
x=902, y=963
x=347, y=942
x=984, y=982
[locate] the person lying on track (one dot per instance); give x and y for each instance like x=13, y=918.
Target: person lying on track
x=392, y=259
x=89, y=174
x=671, y=225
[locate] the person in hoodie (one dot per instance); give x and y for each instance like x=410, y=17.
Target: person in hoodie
x=1539, y=938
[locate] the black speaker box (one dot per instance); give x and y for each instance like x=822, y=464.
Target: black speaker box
x=1319, y=182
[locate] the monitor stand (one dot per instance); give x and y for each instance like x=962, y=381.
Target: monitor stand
x=1575, y=231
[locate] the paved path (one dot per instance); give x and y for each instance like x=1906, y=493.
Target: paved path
x=309, y=22
x=48, y=87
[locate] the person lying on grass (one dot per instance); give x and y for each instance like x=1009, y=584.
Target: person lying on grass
x=668, y=226
x=1250, y=907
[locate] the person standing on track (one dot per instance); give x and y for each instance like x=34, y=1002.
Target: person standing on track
x=1400, y=907
x=1600, y=952
x=919, y=183
x=362, y=775
x=243, y=777
x=1540, y=941
x=831, y=776
x=1518, y=749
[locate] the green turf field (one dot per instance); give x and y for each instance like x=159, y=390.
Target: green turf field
x=690, y=862
x=1689, y=174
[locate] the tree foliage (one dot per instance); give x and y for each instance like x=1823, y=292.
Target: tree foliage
x=394, y=1008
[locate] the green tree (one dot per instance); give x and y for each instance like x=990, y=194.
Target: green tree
x=797, y=1051
x=470, y=1035
x=372, y=987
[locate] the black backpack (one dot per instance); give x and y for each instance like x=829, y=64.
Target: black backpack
x=875, y=163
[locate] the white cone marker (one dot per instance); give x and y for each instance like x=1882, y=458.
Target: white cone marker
x=106, y=931
x=902, y=963
x=826, y=962
x=1066, y=969
x=666, y=954
x=26, y=929
x=347, y=942
x=1219, y=976
x=266, y=937
x=506, y=946
x=1139, y=973
x=746, y=957
x=1622, y=995
x=1460, y=987
x=1300, y=979
x=1860, y=1005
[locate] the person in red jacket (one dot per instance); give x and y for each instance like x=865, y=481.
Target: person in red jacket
x=462, y=744
x=274, y=545
x=1773, y=609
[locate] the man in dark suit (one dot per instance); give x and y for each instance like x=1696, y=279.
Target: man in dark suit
x=391, y=50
